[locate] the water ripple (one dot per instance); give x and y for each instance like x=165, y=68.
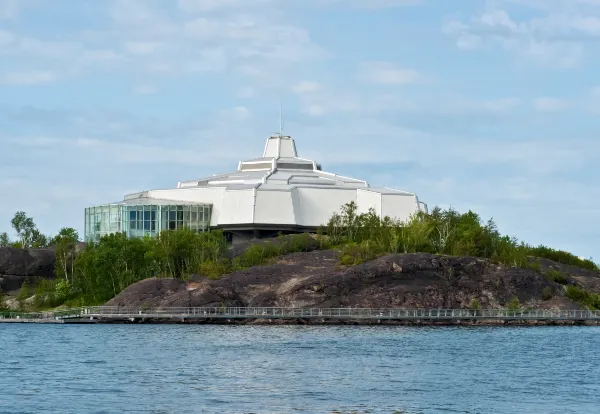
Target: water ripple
x=297, y=369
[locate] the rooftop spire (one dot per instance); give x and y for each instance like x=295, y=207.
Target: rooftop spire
x=279, y=146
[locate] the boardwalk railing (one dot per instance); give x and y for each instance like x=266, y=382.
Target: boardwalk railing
x=115, y=313
x=332, y=313
x=20, y=315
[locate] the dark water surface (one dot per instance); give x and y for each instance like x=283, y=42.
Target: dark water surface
x=297, y=369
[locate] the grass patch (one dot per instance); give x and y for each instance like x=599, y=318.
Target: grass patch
x=547, y=293
x=354, y=254
x=583, y=298
x=556, y=276
x=513, y=303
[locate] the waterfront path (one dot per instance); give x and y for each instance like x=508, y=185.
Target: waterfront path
x=109, y=314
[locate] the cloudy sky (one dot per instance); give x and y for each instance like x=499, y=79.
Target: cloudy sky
x=486, y=105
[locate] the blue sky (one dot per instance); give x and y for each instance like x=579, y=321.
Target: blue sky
x=486, y=105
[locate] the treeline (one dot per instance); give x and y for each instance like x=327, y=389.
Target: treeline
x=364, y=236
x=28, y=235
x=101, y=270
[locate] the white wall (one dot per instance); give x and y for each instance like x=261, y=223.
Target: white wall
x=300, y=206
x=316, y=205
x=237, y=207
x=274, y=207
x=398, y=206
x=368, y=199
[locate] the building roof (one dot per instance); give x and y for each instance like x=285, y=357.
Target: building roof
x=278, y=168
x=280, y=189
x=143, y=200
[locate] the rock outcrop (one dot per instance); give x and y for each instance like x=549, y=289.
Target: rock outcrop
x=314, y=279
x=17, y=265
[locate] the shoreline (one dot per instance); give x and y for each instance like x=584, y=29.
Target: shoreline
x=300, y=322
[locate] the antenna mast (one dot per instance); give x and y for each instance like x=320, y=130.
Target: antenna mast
x=281, y=111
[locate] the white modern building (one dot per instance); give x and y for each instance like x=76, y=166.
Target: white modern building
x=278, y=192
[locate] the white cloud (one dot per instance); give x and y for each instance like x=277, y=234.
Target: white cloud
x=369, y=4
x=100, y=56
x=201, y=6
x=141, y=48
x=263, y=42
x=246, y=92
x=306, y=87
x=499, y=20
x=549, y=104
x=319, y=101
x=389, y=74
x=6, y=38
x=380, y=4
x=240, y=113
x=552, y=36
x=365, y=137
x=27, y=78
x=498, y=105
x=592, y=101
x=208, y=6
x=207, y=42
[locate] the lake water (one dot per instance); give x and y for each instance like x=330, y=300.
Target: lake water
x=298, y=369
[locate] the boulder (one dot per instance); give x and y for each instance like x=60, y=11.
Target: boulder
x=27, y=262
x=18, y=265
x=314, y=279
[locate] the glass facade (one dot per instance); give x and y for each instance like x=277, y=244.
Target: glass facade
x=144, y=219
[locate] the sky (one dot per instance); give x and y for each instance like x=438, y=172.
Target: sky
x=492, y=106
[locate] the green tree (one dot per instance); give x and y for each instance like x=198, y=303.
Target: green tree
x=65, y=243
x=24, y=226
x=4, y=240
x=39, y=240
x=27, y=232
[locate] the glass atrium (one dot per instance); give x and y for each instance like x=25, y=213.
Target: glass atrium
x=139, y=220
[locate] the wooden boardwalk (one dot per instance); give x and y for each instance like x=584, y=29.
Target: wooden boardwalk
x=108, y=314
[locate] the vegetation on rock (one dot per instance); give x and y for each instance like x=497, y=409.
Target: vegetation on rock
x=584, y=298
x=365, y=236
x=103, y=269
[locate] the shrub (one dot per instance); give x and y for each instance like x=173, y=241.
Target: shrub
x=583, y=297
x=294, y=243
x=533, y=265
x=214, y=270
x=354, y=254
x=475, y=304
x=547, y=293
x=441, y=232
x=562, y=257
x=556, y=276
x=257, y=254
x=25, y=293
x=513, y=303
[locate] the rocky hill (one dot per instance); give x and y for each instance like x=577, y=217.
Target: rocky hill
x=17, y=265
x=314, y=279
